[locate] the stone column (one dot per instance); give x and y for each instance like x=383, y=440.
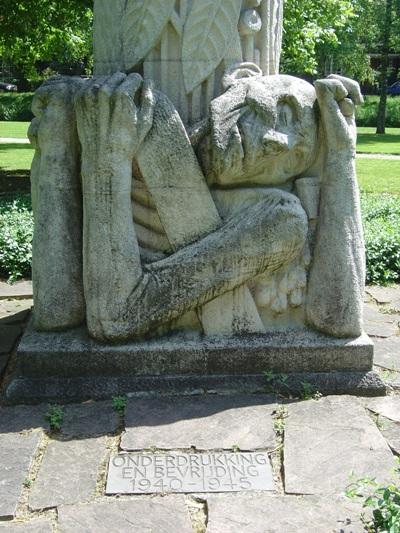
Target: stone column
x=186, y=45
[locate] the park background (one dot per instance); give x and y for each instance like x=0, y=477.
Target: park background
x=356, y=38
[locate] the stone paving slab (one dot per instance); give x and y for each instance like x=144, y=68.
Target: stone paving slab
x=385, y=295
x=14, y=311
x=89, y=419
x=18, y=290
x=327, y=440
x=20, y=418
x=204, y=422
x=388, y=406
x=391, y=432
x=35, y=526
x=387, y=353
x=8, y=337
x=17, y=452
x=379, y=324
x=145, y=515
x=261, y=513
x=68, y=473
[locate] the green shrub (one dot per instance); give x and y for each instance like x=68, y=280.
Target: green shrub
x=367, y=114
x=16, y=232
x=381, y=219
x=16, y=106
x=383, y=502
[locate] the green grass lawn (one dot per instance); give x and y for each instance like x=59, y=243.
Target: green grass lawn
x=369, y=142
x=15, y=156
x=16, y=130
x=379, y=175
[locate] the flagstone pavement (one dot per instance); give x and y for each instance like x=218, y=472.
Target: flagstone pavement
x=55, y=481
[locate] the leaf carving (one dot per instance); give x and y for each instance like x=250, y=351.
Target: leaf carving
x=142, y=25
x=107, y=40
x=208, y=33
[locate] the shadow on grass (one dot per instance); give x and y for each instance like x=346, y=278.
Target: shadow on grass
x=15, y=146
x=14, y=181
x=373, y=139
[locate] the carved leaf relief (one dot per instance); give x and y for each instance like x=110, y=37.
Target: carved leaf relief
x=107, y=40
x=142, y=26
x=207, y=36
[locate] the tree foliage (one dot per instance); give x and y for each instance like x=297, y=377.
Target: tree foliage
x=309, y=25
x=36, y=32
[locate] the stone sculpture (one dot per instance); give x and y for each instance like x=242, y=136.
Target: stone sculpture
x=189, y=186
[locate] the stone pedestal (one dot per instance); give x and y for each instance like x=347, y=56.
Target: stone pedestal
x=70, y=366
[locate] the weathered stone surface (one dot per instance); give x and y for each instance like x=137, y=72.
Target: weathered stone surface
x=8, y=337
x=327, y=440
x=204, y=422
x=89, y=419
x=388, y=407
x=391, y=432
x=143, y=515
x=379, y=324
x=387, y=353
x=22, y=417
x=149, y=473
x=19, y=290
x=100, y=387
x=68, y=473
x=74, y=354
x=17, y=452
x=34, y=526
x=277, y=514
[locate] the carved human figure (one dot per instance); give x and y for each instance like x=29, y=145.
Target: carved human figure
x=262, y=134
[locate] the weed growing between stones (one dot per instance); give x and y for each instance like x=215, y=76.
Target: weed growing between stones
x=279, y=420
x=119, y=404
x=384, y=503
x=54, y=417
x=309, y=392
x=276, y=383
x=279, y=384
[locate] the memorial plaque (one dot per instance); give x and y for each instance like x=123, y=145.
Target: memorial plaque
x=136, y=473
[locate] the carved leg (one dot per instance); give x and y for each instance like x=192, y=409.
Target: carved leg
x=57, y=205
x=262, y=238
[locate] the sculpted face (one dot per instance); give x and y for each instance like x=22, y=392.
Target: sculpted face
x=264, y=132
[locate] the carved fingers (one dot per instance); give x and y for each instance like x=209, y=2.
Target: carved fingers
x=116, y=111
x=337, y=97
x=53, y=107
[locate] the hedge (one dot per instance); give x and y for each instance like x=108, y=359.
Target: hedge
x=16, y=106
x=367, y=113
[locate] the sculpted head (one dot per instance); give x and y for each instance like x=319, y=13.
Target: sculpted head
x=264, y=130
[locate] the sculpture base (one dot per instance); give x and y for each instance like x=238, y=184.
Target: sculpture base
x=70, y=366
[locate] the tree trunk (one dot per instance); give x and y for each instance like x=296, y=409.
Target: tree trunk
x=384, y=67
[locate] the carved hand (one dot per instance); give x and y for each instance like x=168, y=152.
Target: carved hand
x=54, y=112
x=337, y=98
x=110, y=123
